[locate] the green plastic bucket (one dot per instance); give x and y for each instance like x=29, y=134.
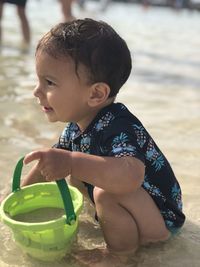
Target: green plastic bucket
x=47, y=240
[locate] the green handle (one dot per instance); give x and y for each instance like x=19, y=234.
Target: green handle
x=62, y=186
x=67, y=201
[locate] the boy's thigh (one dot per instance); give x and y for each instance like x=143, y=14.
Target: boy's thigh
x=79, y=185
x=147, y=216
x=150, y=223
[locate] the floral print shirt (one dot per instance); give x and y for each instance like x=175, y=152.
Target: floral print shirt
x=116, y=132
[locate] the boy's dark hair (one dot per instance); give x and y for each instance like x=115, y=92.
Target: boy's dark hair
x=95, y=45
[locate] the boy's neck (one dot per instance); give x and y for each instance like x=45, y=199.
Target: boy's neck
x=93, y=113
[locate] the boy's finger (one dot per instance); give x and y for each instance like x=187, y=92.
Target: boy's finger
x=36, y=155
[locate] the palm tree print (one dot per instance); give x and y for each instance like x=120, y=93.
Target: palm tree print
x=152, y=189
x=120, y=146
x=121, y=139
x=104, y=121
x=158, y=163
x=154, y=156
x=140, y=133
x=168, y=214
x=176, y=195
x=85, y=143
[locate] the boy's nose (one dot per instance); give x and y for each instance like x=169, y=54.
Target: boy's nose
x=37, y=92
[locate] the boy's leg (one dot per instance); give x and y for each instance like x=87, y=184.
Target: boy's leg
x=119, y=227
x=129, y=220
x=24, y=24
x=78, y=184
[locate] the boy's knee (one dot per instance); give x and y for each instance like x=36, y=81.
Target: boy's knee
x=100, y=196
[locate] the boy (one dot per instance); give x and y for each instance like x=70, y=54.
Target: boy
x=107, y=152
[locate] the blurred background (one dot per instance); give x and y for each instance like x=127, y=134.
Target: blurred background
x=163, y=91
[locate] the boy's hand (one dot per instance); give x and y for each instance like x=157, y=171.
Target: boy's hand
x=53, y=164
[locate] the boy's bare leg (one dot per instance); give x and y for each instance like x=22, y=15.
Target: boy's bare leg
x=126, y=221
x=120, y=230
x=129, y=220
x=24, y=24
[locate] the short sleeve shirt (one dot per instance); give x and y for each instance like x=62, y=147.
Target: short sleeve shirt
x=116, y=132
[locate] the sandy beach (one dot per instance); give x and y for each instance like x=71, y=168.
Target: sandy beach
x=163, y=91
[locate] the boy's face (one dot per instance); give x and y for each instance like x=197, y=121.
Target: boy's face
x=62, y=95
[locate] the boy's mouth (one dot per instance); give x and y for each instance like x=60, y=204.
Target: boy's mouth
x=47, y=109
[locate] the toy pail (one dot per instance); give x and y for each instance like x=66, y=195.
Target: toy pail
x=48, y=240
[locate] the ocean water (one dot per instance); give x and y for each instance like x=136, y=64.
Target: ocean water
x=163, y=91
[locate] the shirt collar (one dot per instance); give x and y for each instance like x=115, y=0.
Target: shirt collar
x=105, y=114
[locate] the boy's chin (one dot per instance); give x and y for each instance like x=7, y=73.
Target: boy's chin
x=52, y=119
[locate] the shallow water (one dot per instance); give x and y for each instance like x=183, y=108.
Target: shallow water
x=39, y=215
x=163, y=91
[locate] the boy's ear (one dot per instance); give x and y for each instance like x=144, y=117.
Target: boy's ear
x=99, y=93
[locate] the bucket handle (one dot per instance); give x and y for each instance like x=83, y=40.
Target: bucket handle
x=62, y=186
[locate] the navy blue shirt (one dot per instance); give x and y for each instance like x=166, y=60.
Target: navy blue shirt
x=116, y=132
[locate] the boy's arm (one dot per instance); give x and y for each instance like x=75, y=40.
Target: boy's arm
x=34, y=176
x=115, y=175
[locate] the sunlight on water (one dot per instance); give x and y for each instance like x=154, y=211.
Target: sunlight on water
x=163, y=91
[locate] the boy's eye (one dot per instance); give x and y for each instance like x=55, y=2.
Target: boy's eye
x=50, y=83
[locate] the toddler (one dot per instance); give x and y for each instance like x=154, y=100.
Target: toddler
x=104, y=149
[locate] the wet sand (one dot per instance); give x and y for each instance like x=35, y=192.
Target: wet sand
x=163, y=91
